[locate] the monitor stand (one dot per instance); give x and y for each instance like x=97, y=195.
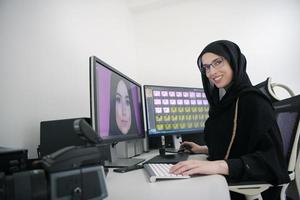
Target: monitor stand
x=177, y=140
x=115, y=161
x=169, y=158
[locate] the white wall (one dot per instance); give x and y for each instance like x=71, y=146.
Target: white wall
x=171, y=34
x=45, y=45
x=44, y=58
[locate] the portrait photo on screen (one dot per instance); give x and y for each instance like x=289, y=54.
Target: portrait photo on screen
x=122, y=118
x=119, y=106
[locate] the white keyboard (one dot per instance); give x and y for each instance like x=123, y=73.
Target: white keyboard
x=161, y=171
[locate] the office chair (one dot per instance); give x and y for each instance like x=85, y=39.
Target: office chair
x=267, y=87
x=287, y=116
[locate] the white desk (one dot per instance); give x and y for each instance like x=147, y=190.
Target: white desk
x=135, y=185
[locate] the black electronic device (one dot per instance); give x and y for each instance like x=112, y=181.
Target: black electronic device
x=185, y=148
x=57, y=134
x=174, y=112
x=116, y=109
x=128, y=169
x=13, y=160
x=86, y=132
x=72, y=157
x=74, y=172
x=68, y=174
x=168, y=158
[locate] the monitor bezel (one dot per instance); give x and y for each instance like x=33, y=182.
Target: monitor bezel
x=93, y=102
x=175, y=133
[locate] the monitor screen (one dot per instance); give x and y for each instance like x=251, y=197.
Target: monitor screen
x=116, y=104
x=175, y=110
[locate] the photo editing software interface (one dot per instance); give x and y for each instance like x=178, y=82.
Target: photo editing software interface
x=116, y=108
x=173, y=110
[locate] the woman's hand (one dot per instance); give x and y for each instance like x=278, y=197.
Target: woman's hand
x=191, y=167
x=195, y=148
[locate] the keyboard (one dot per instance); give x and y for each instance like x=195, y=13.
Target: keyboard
x=161, y=171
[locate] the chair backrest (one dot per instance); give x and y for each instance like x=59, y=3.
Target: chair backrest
x=287, y=116
x=266, y=89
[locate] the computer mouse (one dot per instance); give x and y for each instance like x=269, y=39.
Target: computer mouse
x=185, y=148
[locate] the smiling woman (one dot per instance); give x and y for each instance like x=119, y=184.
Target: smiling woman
x=218, y=72
x=243, y=141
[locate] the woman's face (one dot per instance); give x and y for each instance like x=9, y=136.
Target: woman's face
x=123, y=110
x=220, y=74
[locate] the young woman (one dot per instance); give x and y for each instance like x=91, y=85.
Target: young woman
x=242, y=137
x=122, y=120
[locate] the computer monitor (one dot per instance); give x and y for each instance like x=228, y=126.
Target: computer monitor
x=175, y=111
x=116, y=108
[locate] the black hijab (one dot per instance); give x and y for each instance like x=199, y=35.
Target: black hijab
x=232, y=53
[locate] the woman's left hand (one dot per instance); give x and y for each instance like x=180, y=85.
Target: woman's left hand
x=191, y=167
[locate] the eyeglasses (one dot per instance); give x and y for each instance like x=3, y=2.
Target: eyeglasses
x=217, y=63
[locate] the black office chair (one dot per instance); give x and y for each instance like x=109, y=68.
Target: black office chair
x=287, y=116
x=268, y=88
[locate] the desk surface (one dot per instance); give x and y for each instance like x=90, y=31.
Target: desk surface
x=136, y=185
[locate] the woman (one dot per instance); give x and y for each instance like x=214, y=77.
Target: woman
x=122, y=120
x=252, y=148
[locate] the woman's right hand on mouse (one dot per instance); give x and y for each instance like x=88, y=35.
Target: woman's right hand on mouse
x=195, y=148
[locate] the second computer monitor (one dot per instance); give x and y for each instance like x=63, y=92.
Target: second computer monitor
x=175, y=110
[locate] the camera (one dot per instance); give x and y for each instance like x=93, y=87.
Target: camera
x=74, y=172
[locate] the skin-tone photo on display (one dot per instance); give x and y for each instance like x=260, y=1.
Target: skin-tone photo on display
x=123, y=108
x=122, y=120
x=248, y=148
